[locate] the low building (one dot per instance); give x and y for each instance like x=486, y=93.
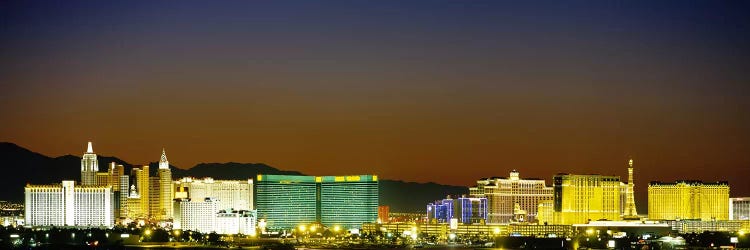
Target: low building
x=205, y=217
x=236, y=222
x=466, y=210
x=698, y=226
x=739, y=208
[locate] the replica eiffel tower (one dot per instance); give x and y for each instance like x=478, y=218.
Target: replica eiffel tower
x=630, y=212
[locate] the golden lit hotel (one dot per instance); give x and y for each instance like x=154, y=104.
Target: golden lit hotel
x=688, y=200
x=582, y=198
x=504, y=193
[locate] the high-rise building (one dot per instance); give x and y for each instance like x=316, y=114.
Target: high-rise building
x=166, y=191
x=348, y=201
x=503, y=193
x=89, y=167
x=739, y=208
x=688, y=200
x=583, y=198
x=142, y=184
x=230, y=194
x=123, y=196
x=69, y=205
x=630, y=211
x=154, y=203
x=286, y=201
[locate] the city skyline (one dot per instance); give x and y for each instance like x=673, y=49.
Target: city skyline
x=375, y=124
x=394, y=88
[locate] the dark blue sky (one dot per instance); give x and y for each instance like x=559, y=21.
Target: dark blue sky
x=406, y=89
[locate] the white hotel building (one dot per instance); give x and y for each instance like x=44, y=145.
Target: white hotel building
x=67, y=205
x=205, y=217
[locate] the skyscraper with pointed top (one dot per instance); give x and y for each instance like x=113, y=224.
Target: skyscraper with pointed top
x=166, y=194
x=630, y=211
x=89, y=167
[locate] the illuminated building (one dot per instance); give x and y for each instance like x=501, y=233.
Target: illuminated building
x=581, y=198
x=235, y=222
x=166, y=194
x=630, y=210
x=383, y=214
x=697, y=226
x=89, y=167
x=503, y=193
x=465, y=210
x=440, y=211
x=204, y=216
x=286, y=201
x=688, y=200
x=739, y=208
x=142, y=184
x=545, y=212
x=195, y=215
x=348, y=201
x=230, y=194
x=69, y=205
x=443, y=230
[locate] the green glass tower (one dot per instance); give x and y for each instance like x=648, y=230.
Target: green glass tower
x=287, y=201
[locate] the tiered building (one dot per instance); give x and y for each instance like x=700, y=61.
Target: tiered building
x=688, y=200
x=503, y=193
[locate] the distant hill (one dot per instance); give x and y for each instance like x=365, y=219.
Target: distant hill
x=35, y=168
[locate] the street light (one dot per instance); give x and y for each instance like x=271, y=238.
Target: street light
x=336, y=228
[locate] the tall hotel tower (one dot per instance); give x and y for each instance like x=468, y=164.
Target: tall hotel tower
x=630, y=212
x=165, y=188
x=89, y=167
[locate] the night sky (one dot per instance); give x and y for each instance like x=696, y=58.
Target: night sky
x=438, y=91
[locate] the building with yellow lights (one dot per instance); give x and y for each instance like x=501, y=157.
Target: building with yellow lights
x=582, y=198
x=503, y=193
x=687, y=200
x=286, y=201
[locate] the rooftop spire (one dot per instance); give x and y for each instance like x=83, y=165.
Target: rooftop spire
x=90, y=149
x=163, y=162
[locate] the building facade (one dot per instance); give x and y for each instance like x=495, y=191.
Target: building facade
x=67, y=205
x=348, y=201
x=195, y=215
x=503, y=193
x=739, y=208
x=582, y=198
x=286, y=201
x=230, y=194
x=466, y=210
x=688, y=200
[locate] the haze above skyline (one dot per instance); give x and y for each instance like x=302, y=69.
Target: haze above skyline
x=448, y=92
